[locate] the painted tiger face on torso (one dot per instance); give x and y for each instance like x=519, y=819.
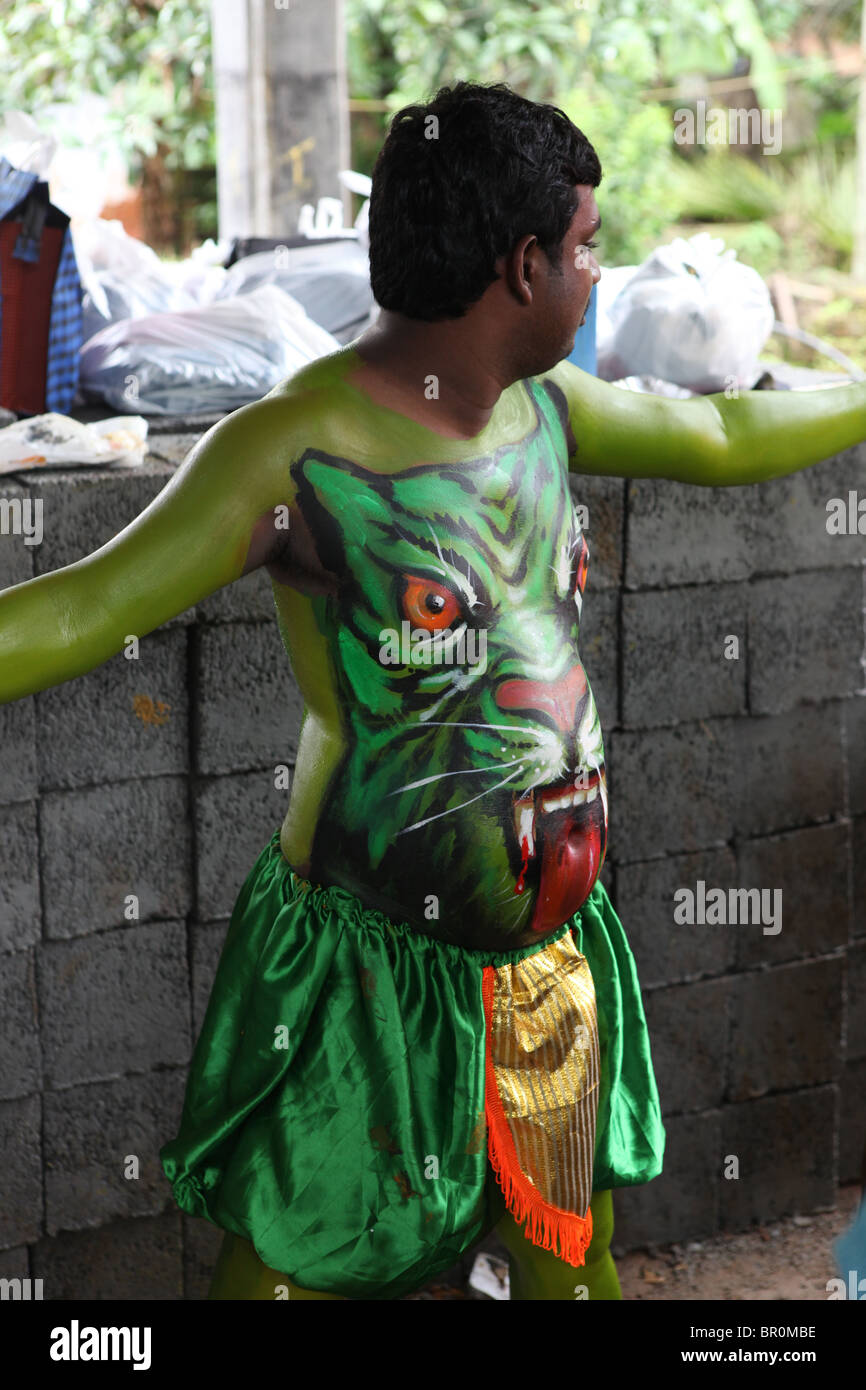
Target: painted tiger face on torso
x=471, y=800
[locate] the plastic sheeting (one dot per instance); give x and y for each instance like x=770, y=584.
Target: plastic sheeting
x=332, y=282
x=212, y=359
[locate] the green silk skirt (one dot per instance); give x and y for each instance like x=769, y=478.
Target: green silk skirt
x=334, y=1111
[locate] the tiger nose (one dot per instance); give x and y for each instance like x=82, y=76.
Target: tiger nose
x=558, y=699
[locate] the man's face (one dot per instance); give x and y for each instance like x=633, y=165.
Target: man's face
x=568, y=286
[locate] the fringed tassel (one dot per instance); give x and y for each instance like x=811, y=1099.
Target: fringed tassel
x=564, y=1233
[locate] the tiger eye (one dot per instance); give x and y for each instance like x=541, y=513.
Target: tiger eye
x=428, y=604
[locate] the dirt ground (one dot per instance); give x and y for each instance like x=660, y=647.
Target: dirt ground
x=785, y=1260
x=788, y=1260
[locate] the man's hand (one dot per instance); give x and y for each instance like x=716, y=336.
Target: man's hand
x=711, y=441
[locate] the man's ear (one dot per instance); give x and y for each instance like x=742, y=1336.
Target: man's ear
x=520, y=268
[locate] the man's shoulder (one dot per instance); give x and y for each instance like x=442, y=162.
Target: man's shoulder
x=565, y=378
x=299, y=408
x=563, y=385
x=313, y=387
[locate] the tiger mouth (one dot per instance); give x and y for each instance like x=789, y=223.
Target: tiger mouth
x=544, y=801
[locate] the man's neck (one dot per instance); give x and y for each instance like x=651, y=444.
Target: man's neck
x=437, y=373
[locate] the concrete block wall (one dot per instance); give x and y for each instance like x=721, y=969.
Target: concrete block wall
x=743, y=773
x=156, y=778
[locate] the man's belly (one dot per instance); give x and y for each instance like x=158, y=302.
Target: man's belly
x=497, y=873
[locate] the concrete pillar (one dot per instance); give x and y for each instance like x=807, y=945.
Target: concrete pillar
x=281, y=111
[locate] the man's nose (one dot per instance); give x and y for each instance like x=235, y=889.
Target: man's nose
x=557, y=699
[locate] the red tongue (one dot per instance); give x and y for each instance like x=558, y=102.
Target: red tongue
x=570, y=861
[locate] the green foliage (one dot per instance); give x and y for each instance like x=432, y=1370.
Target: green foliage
x=543, y=48
x=151, y=59
x=595, y=58
x=633, y=139
x=820, y=206
x=807, y=205
x=757, y=244
x=725, y=187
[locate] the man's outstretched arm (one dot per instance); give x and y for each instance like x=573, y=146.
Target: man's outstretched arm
x=210, y=524
x=710, y=441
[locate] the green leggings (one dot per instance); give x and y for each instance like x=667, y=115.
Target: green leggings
x=534, y=1273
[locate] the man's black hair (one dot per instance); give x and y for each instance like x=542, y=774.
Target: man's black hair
x=452, y=194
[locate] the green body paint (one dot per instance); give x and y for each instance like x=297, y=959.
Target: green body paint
x=414, y=777
x=471, y=797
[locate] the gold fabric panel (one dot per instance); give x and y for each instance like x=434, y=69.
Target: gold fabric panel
x=544, y=1052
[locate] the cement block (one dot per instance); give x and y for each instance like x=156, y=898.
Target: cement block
x=674, y=662
x=665, y=950
x=15, y=1264
x=207, y=943
x=17, y=522
x=170, y=447
x=114, y=1003
x=805, y=638
x=135, y=1260
x=852, y=1122
x=608, y=878
x=854, y=726
x=604, y=499
x=784, y=1145
x=235, y=818
x=202, y=1242
x=194, y=425
x=250, y=708
x=787, y=1028
x=249, y=600
x=681, y=534
x=20, y=1060
x=84, y=509
x=671, y=790
x=858, y=855
x=124, y=720
x=89, y=506
x=108, y=842
x=810, y=869
x=20, y=1171
x=20, y=912
x=599, y=648
x=92, y=1133
x=788, y=523
x=689, y=1028
x=856, y=1048
x=18, y=774
x=682, y=1203
x=788, y=769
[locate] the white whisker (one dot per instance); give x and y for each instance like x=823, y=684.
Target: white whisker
x=462, y=771
x=452, y=809
x=462, y=724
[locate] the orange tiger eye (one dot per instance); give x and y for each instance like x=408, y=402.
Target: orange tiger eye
x=429, y=605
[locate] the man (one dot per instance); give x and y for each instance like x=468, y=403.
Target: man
x=426, y=1019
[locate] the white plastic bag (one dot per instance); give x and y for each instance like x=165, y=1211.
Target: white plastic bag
x=25, y=145
x=331, y=282
x=122, y=277
x=691, y=314
x=55, y=441
x=202, y=275
x=212, y=359
x=613, y=281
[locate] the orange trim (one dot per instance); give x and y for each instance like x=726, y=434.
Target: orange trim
x=563, y=1232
